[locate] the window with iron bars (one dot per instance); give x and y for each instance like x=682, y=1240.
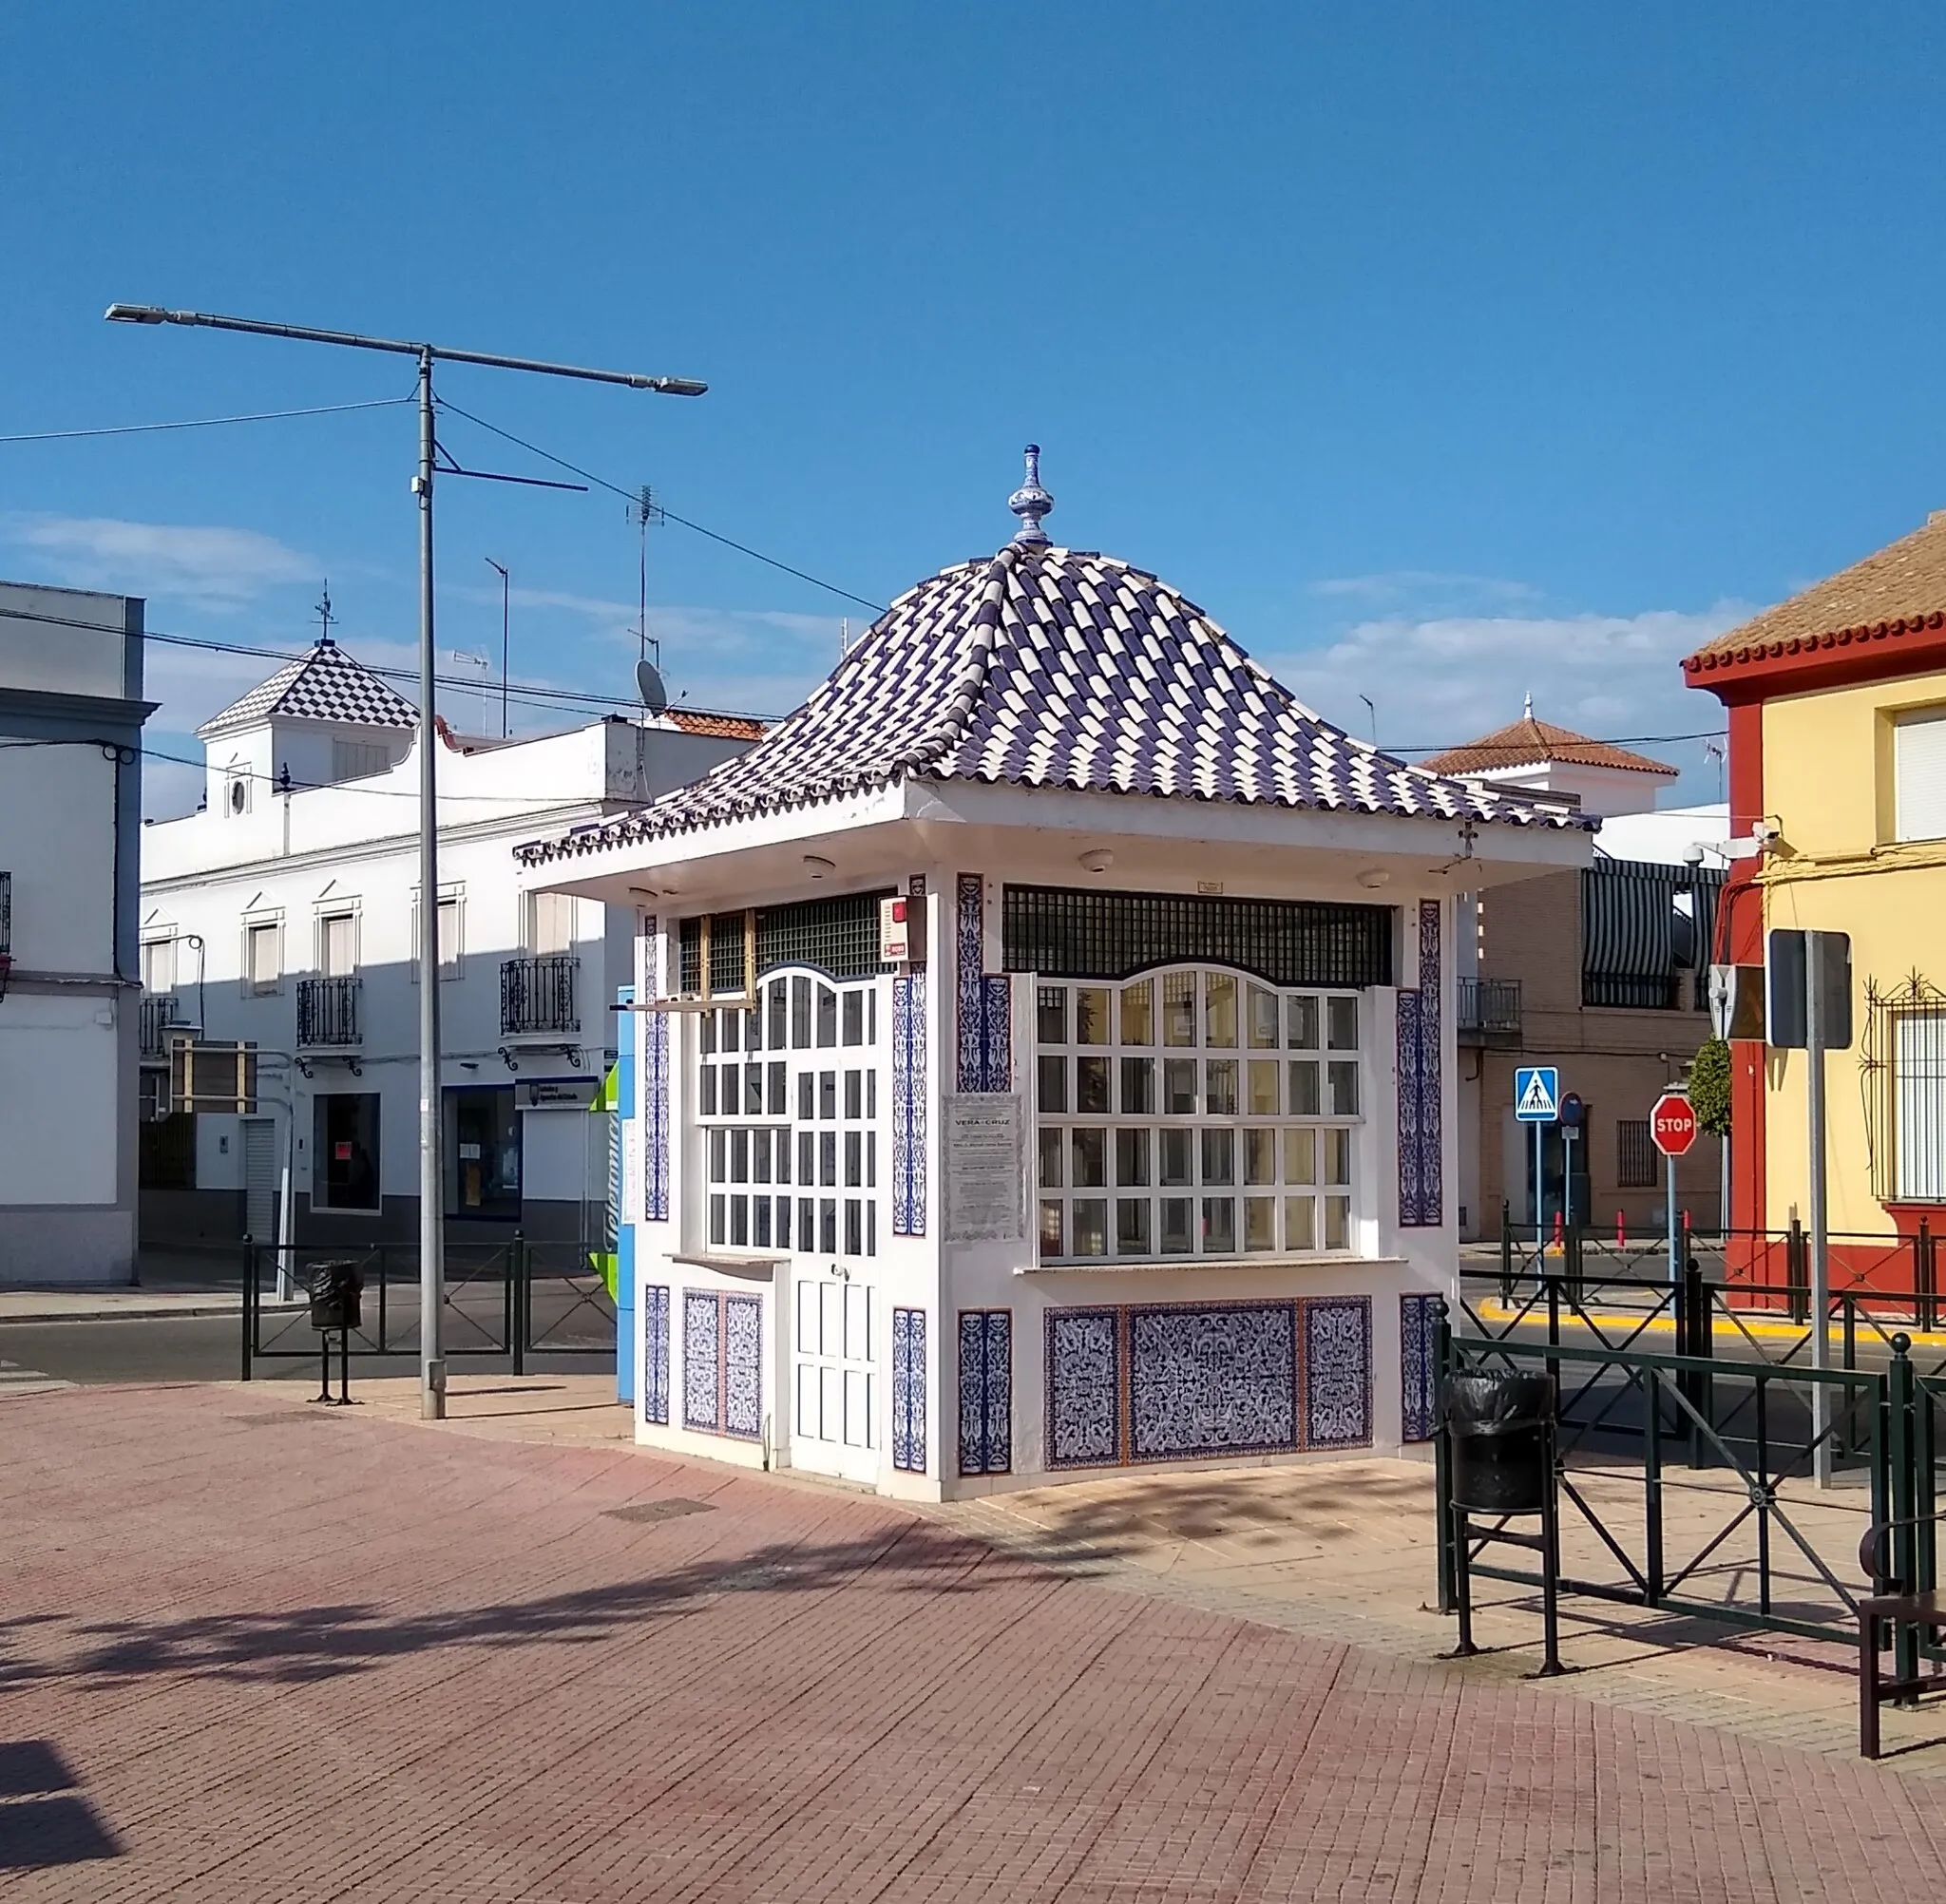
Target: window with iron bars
x=1635, y=1155
x=1903, y=1059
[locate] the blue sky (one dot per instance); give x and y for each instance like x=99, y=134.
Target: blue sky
x=1442, y=353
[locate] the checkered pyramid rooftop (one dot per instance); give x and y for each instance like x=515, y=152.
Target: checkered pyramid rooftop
x=1048, y=667
x=326, y=684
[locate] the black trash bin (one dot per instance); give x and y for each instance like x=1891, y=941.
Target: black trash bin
x=334, y=1289
x=1498, y=1426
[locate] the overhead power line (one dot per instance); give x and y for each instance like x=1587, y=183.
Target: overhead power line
x=204, y=422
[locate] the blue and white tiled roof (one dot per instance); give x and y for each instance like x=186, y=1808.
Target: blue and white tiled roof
x=1049, y=667
x=326, y=684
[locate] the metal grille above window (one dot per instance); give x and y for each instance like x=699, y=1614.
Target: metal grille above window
x=838, y=937
x=1066, y=932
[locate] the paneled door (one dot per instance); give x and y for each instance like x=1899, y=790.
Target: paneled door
x=835, y=1375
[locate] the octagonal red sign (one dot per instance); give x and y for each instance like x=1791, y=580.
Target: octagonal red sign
x=1673, y=1124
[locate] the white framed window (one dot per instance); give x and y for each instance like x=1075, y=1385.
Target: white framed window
x=1196, y=1112
x=1918, y=775
x=337, y=944
x=263, y=956
x=1918, y=1106
x=158, y=964
x=550, y=924
x=452, y=925
x=788, y=1099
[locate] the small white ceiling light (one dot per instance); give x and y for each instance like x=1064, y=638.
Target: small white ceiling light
x=1372, y=878
x=1096, y=860
x=817, y=866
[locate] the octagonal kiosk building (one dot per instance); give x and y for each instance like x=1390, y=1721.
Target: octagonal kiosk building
x=1041, y=1054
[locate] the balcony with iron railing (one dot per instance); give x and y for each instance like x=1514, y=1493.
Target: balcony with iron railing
x=1489, y=1011
x=329, y=1014
x=159, y=1010
x=538, y=997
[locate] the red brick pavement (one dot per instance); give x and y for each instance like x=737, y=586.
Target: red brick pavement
x=313, y=1656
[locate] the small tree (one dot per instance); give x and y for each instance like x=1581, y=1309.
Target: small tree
x=1709, y=1086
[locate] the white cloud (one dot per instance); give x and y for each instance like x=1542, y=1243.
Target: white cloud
x=1447, y=679
x=1397, y=587
x=216, y=567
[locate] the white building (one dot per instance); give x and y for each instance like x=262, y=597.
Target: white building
x=286, y=911
x=70, y=810
x=1138, y=1151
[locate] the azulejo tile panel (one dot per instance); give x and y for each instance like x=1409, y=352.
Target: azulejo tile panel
x=1084, y=1387
x=909, y=1390
x=1211, y=1380
x=986, y=1391
x=1421, y=1162
x=654, y=1326
x=1175, y=1382
x=743, y=1385
x=701, y=1392
x=985, y=1003
x=656, y=1117
x=1417, y=1368
x=908, y=1106
x=1337, y=1371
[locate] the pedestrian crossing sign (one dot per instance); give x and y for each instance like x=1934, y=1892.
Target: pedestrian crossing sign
x=1536, y=1094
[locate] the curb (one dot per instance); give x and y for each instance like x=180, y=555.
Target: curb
x=200, y=1310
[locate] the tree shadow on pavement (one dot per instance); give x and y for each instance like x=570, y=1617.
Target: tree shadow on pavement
x=329, y=1641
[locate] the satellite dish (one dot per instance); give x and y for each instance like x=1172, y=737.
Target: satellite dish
x=648, y=684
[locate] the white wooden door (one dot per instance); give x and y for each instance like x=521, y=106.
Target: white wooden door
x=835, y=1375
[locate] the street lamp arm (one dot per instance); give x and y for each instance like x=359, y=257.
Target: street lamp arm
x=154, y=314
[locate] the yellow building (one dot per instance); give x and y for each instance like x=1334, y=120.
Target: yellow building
x=1837, y=706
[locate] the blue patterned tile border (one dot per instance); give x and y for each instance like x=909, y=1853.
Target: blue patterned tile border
x=985, y=1003
x=1421, y=1165
x=986, y=1391
x=1216, y=1380
x=909, y=1390
x=908, y=1106
x=743, y=1366
x=1337, y=1371
x=654, y=1326
x=1417, y=1331
x=1085, y=1384
x=655, y=1100
x=701, y=1361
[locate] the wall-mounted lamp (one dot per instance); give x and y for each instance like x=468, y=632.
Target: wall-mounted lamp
x=1096, y=860
x=817, y=866
x=1372, y=878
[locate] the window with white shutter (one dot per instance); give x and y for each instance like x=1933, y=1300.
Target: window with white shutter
x=1918, y=775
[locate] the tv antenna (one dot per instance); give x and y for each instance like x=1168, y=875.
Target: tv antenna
x=642, y=510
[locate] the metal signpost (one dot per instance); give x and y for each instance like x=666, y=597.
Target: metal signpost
x=1673, y=1129
x=1537, y=1101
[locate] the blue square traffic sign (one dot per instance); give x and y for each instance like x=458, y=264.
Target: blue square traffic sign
x=1537, y=1093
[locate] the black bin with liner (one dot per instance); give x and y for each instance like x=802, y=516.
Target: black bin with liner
x=334, y=1289
x=1499, y=1428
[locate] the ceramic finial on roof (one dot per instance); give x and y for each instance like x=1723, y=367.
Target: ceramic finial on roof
x=1030, y=502
x=1528, y=712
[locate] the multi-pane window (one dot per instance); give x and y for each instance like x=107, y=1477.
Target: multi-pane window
x=1194, y=1113
x=788, y=1099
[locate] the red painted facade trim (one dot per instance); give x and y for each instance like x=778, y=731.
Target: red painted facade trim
x=1743, y=907
x=1881, y=651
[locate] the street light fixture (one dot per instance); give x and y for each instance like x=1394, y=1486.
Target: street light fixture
x=431, y=1126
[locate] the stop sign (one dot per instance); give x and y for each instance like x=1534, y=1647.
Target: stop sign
x=1673, y=1124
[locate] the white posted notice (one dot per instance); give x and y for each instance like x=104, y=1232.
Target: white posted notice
x=985, y=1165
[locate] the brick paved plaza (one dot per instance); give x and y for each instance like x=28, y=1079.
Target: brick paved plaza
x=251, y=1650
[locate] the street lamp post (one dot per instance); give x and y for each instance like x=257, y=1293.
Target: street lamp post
x=431, y=1128
x=505, y=599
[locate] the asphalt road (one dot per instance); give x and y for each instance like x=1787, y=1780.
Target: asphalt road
x=208, y=1349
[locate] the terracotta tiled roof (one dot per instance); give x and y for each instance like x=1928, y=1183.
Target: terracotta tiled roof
x=1532, y=743
x=1903, y=584
x=716, y=726
x=1050, y=667
x=326, y=684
